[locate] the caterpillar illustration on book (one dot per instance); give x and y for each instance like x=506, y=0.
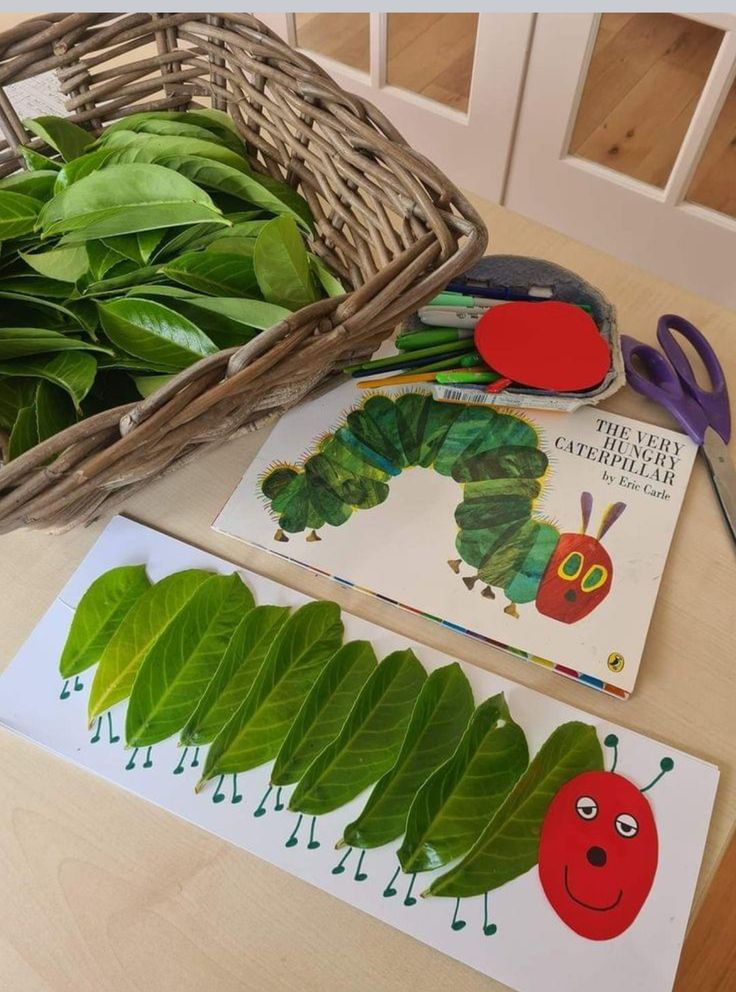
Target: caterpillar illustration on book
x=452, y=786
x=496, y=458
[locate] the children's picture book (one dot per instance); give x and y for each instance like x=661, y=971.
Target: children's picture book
x=540, y=532
x=540, y=845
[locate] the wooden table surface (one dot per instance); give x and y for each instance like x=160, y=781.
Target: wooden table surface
x=101, y=892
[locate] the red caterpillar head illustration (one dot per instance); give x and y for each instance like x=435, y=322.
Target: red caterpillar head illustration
x=598, y=851
x=579, y=573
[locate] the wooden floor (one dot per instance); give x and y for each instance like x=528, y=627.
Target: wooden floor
x=646, y=75
x=430, y=54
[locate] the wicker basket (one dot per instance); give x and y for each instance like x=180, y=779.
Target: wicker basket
x=389, y=223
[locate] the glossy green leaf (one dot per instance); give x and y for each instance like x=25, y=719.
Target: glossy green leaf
x=98, y=615
x=233, y=246
x=18, y=214
x=17, y=342
x=154, y=333
x=178, y=129
x=232, y=681
x=130, y=146
x=175, y=671
x=324, y=710
x=64, y=264
x=73, y=371
x=35, y=161
x=122, y=277
x=331, y=284
x=249, y=313
x=29, y=307
x=297, y=655
x=453, y=806
x=370, y=740
x=39, y=185
x=200, y=236
x=30, y=284
x=49, y=412
x=282, y=265
x=64, y=136
x=148, y=384
x=138, y=247
x=214, y=274
x=15, y=394
x=101, y=258
x=125, y=199
x=144, y=623
x=438, y=720
x=220, y=127
x=509, y=845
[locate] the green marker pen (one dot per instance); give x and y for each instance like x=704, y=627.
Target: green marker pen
x=466, y=378
x=433, y=335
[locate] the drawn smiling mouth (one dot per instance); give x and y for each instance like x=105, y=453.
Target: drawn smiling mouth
x=587, y=905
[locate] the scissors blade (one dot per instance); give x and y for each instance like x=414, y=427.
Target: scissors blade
x=724, y=475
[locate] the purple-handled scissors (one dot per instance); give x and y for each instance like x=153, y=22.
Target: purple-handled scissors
x=704, y=414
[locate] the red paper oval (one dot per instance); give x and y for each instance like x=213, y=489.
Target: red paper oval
x=550, y=345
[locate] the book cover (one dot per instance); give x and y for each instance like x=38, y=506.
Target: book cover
x=541, y=532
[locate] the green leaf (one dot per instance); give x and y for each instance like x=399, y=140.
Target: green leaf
x=154, y=333
x=324, y=710
x=101, y=259
x=98, y=614
x=136, y=247
x=62, y=264
x=297, y=655
x=217, y=274
x=232, y=680
x=221, y=130
x=17, y=342
x=148, y=384
x=440, y=716
x=15, y=394
x=175, y=671
x=331, y=284
x=179, y=129
x=200, y=236
x=282, y=265
x=123, y=276
x=229, y=322
x=452, y=807
x=36, y=162
x=49, y=412
x=18, y=214
x=29, y=304
x=233, y=246
x=73, y=371
x=65, y=137
x=39, y=185
x=509, y=845
x=369, y=741
x=135, y=635
x=24, y=434
x=29, y=284
x=169, y=150
x=125, y=199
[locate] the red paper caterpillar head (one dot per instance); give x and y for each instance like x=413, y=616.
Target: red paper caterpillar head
x=598, y=851
x=579, y=574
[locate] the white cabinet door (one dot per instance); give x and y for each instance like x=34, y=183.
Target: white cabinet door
x=626, y=129
x=394, y=55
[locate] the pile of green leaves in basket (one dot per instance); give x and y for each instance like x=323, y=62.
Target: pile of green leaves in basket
x=126, y=258
x=195, y=657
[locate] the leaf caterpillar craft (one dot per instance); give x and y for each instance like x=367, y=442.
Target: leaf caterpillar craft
x=495, y=457
x=451, y=783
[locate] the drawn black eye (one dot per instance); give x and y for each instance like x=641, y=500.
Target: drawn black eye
x=586, y=808
x=626, y=825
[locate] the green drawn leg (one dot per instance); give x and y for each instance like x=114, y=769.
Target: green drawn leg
x=236, y=796
x=112, y=737
x=148, y=763
x=293, y=840
x=131, y=761
x=65, y=694
x=409, y=899
x=279, y=805
x=340, y=866
x=96, y=737
x=78, y=686
x=390, y=890
x=260, y=810
x=219, y=796
x=313, y=844
x=457, y=924
x=195, y=759
x=488, y=928
x=360, y=876
x=180, y=767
